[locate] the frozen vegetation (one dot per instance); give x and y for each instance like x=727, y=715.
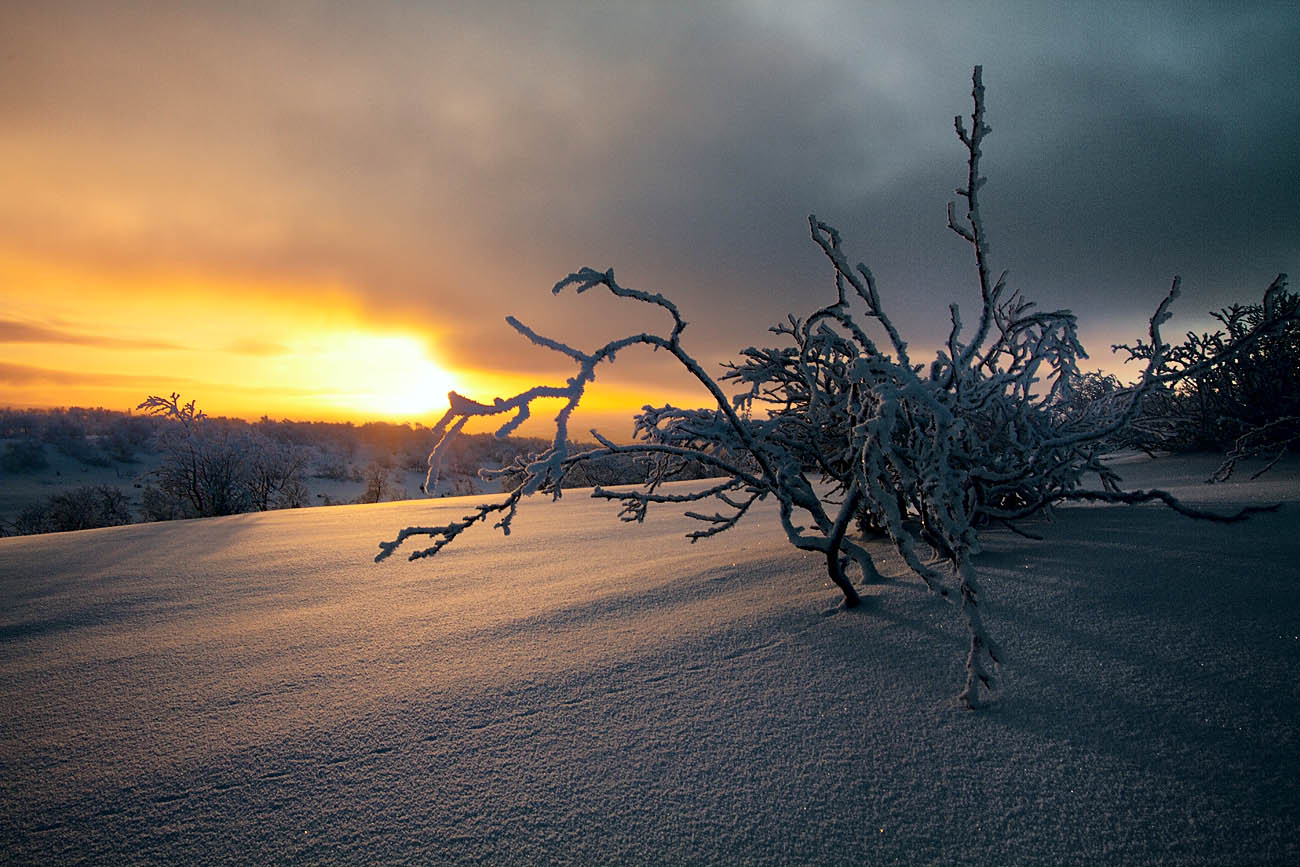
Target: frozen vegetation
x=999, y=426
x=249, y=689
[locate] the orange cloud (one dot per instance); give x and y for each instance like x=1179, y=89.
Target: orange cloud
x=26, y=332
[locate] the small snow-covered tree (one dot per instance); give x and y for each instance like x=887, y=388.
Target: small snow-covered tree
x=203, y=467
x=274, y=473
x=219, y=467
x=380, y=482
x=998, y=426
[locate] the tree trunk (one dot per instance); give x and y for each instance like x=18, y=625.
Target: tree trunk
x=836, y=569
x=834, y=562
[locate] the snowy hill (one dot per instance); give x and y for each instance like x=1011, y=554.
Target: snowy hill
x=254, y=689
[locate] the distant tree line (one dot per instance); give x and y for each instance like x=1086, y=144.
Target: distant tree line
x=212, y=465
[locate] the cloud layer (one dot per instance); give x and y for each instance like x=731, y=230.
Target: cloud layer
x=445, y=163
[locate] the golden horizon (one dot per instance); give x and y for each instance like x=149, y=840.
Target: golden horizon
x=245, y=349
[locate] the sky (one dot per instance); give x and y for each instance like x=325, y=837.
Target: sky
x=326, y=210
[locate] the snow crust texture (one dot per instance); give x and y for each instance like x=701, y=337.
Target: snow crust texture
x=252, y=689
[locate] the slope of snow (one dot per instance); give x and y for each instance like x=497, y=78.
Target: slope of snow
x=254, y=689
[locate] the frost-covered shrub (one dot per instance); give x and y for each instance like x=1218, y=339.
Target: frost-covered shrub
x=84, y=450
x=89, y=506
x=158, y=506
x=81, y=508
x=333, y=466
x=219, y=467
x=1245, y=402
x=274, y=472
x=26, y=455
x=416, y=461
x=998, y=426
x=293, y=494
x=380, y=482
x=74, y=433
x=31, y=519
x=126, y=435
x=203, y=466
x=608, y=469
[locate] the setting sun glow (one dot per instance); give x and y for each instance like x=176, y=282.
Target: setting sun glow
x=386, y=377
x=82, y=336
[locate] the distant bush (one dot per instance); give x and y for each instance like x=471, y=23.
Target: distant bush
x=416, y=461
x=89, y=506
x=82, y=508
x=25, y=455
x=158, y=506
x=126, y=436
x=61, y=426
x=293, y=494
x=612, y=469
x=380, y=483
x=1247, y=403
x=333, y=466
x=274, y=473
x=33, y=519
x=83, y=450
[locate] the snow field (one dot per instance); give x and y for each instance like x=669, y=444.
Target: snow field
x=253, y=689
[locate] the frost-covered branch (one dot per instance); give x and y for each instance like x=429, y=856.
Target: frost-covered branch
x=1135, y=497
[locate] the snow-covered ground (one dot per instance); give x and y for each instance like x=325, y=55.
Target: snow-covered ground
x=254, y=689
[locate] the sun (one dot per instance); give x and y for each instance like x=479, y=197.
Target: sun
x=383, y=376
